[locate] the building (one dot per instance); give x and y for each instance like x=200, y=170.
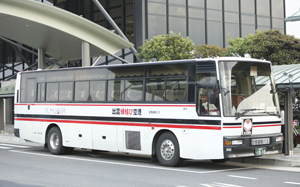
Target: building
x=204, y=21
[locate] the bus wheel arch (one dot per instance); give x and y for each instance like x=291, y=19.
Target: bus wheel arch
x=166, y=148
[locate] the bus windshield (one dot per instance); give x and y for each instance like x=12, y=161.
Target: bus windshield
x=247, y=88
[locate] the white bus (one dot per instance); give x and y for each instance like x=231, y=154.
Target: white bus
x=215, y=108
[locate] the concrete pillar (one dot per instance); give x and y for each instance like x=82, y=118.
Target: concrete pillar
x=1, y=116
x=86, y=58
x=8, y=111
x=41, y=58
x=288, y=119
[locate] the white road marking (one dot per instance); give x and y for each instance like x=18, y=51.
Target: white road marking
x=206, y=185
x=11, y=145
x=242, y=177
x=292, y=183
x=5, y=147
x=131, y=165
x=227, y=185
x=217, y=184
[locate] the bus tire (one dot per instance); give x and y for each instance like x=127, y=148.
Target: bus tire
x=167, y=150
x=54, y=142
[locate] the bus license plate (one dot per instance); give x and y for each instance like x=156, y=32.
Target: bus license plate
x=260, y=141
x=260, y=151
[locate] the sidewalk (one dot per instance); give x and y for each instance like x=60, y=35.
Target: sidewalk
x=273, y=160
x=8, y=135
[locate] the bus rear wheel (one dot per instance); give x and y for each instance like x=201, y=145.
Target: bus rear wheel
x=54, y=142
x=167, y=150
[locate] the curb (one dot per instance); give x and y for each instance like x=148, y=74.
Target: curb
x=267, y=161
x=6, y=137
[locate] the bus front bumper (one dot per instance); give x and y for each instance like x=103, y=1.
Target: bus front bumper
x=254, y=145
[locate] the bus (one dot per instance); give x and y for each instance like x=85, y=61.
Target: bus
x=211, y=108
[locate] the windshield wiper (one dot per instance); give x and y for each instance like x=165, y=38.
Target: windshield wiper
x=245, y=112
x=271, y=114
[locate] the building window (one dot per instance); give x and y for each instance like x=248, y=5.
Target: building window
x=156, y=25
x=247, y=7
x=263, y=7
x=197, y=31
x=214, y=33
x=214, y=4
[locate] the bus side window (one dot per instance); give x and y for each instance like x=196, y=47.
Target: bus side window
x=133, y=90
x=66, y=91
x=82, y=91
x=41, y=92
x=115, y=90
x=155, y=88
x=52, y=92
x=207, y=82
x=97, y=90
x=176, y=89
x=30, y=91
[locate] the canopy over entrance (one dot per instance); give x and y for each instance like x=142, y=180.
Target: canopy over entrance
x=294, y=17
x=59, y=32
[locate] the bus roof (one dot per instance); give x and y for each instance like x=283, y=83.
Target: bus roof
x=163, y=63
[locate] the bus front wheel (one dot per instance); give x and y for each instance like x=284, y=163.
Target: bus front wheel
x=167, y=150
x=54, y=142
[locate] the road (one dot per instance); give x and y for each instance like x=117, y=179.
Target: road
x=32, y=165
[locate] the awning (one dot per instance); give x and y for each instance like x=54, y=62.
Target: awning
x=284, y=74
x=59, y=32
x=294, y=17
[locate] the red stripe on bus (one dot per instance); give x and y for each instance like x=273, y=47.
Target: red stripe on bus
x=117, y=105
x=234, y=127
x=121, y=123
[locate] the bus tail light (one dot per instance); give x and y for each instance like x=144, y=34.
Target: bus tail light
x=227, y=142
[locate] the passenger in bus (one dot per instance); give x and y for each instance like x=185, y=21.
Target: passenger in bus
x=69, y=96
x=54, y=96
x=99, y=95
x=83, y=96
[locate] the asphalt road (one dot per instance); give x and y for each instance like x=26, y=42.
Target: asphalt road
x=32, y=165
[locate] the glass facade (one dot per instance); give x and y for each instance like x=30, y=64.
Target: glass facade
x=213, y=21
x=204, y=21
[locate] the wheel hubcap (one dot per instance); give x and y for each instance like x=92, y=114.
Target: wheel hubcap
x=54, y=140
x=167, y=149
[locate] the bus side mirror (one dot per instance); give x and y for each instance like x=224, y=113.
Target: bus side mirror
x=212, y=98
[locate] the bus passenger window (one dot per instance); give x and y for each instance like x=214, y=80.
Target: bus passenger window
x=52, y=92
x=97, y=90
x=41, y=92
x=82, y=91
x=66, y=91
x=155, y=89
x=176, y=89
x=115, y=90
x=30, y=92
x=133, y=90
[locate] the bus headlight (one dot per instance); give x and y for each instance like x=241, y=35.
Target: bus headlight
x=279, y=139
x=237, y=142
x=233, y=142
